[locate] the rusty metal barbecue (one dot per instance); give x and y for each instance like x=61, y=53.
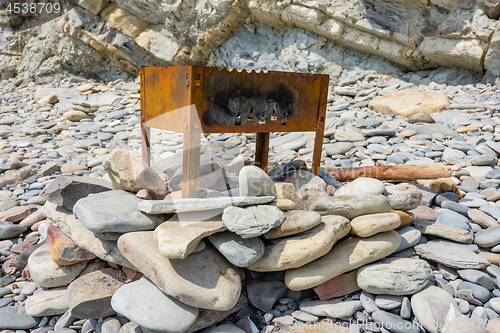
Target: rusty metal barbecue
x=196, y=99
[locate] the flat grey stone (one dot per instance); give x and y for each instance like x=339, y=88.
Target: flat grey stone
x=11, y=230
x=477, y=277
x=394, y=276
x=452, y=256
x=334, y=309
x=66, y=191
x=193, y=204
x=491, y=210
x=254, y=181
x=488, y=237
x=143, y=303
x=239, y=251
x=394, y=323
x=456, y=207
x=454, y=219
x=351, y=206
x=15, y=318
x=434, y=308
x=114, y=211
x=409, y=237
x=480, y=293
x=252, y=221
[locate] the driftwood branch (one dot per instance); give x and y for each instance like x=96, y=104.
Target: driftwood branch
x=395, y=172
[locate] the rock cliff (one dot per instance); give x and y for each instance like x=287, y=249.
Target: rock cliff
x=349, y=40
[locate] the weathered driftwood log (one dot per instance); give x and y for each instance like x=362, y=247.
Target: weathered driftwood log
x=394, y=172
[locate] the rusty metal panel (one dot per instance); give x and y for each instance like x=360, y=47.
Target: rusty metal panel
x=232, y=101
x=163, y=90
x=244, y=102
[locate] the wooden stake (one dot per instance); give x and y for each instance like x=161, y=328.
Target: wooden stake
x=394, y=172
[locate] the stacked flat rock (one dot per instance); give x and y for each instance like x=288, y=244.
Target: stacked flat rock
x=92, y=239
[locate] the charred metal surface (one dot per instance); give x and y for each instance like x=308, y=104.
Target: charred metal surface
x=194, y=99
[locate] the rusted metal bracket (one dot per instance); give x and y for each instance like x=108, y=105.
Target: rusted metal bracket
x=195, y=100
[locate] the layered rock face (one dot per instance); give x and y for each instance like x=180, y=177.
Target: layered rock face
x=110, y=39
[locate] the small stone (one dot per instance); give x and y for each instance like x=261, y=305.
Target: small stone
x=66, y=191
x=181, y=205
x=409, y=237
x=334, y=309
x=434, y=308
x=252, y=221
x=345, y=256
x=395, y=276
x=351, y=206
x=103, y=283
x=285, y=204
x=488, y=237
x=481, y=218
x=339, y=148
x=405, y=312
x=406, y=217
x=241, y=252
x=480, y=293
x=114, y=211
x=444, y=231
x=110, y=325
x=253, y=181
x=16, y=214
x=76, y=115
x=176, y=239
x=420, y=117
x=451, y=255
x=304, y=316
x=443, y=185
x=454, y=219
x=348, y=136
x=455, y=207
x=477, y=277
x=47, y=303
x=51, y=99
x=71, y=168
x=63, y=250
x=287, y=253
x=371, y=224
x=130, y=173
x=340, y=285
x=361, y=186
x=404, y=196
x=407, y=103
x=425, y=213
x=46, y=273
x=461, y=324
x=265, y=294
x=10, y=230
x=393, y=322
x=288, y=191
x=295, y=222
x=16, y=318
x=310, y=189
x=134, y=301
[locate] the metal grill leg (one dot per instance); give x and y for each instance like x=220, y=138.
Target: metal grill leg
x=146, y=148
x=191, y=153
x=262, y=150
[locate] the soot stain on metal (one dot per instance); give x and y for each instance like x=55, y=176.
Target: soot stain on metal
x=240, y=105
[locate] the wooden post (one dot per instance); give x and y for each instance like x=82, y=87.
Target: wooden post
x=394, y=172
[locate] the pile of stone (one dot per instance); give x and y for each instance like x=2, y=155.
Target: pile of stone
x=277, y=253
